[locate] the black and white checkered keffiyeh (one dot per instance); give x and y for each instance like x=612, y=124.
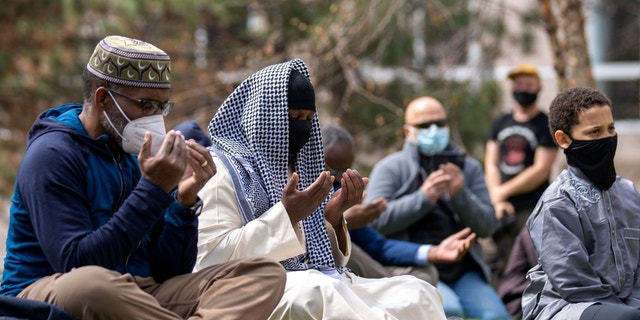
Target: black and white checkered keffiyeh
x=250, y=134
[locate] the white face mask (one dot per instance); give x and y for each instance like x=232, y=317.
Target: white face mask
x=133, y=133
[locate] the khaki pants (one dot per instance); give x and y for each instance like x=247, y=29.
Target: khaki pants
x=240, y=289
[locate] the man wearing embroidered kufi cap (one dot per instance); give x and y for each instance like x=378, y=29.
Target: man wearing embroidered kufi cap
x=104, y=213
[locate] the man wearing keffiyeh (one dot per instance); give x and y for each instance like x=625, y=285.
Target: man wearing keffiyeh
x=271, y=197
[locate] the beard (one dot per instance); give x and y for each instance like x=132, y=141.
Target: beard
x=115, y=130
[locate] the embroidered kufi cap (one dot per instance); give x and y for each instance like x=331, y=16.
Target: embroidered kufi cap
x=130, y=62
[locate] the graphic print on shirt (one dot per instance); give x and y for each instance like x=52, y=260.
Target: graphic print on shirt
x=516, y=145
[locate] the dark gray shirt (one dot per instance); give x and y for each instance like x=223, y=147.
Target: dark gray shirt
x=396, y=178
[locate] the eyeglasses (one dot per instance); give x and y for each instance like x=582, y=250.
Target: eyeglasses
x=426, y=125
x=149, y=106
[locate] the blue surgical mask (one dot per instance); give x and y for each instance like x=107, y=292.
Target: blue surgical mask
x=432, y=140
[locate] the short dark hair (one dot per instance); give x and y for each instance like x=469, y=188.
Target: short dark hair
x=566, y=107
x=333, y=134
x=90, y=83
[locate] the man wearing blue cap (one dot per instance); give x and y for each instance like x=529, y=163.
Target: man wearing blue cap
x=104, y=212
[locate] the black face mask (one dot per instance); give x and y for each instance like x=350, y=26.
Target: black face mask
x=525, y=99
x=299, y=133
x=595, y=159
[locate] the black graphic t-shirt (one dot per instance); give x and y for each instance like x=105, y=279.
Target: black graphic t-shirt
x=517, y=142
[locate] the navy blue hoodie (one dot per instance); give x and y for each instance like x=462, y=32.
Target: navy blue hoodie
x=76, y=202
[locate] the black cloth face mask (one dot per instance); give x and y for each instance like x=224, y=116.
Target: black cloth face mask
x=299, y=133
x=525, y=99
x=595, y=159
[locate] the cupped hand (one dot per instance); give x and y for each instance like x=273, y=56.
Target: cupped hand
x=361, y=215
x=300, y=204
x=166, y=168
x=456, y=183
x=350, y=194
x=199, y=170
x=453, y=247
x=435, y=185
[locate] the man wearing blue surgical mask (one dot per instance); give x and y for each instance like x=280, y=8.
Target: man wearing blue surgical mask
x=433, y=190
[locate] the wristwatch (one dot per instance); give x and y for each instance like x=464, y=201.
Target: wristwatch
x=196, y=208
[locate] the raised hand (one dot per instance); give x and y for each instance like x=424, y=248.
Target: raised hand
x=361, y=215
x=199, y=170
x=456, y=183
x=166, y=168
x=452, y=248
x=436, y=184
x=350, y=194
x=300, y=204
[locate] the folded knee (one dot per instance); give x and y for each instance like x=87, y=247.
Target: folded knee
x=268, y=269
x=87, y=285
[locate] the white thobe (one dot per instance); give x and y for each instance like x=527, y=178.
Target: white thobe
x=309, y=294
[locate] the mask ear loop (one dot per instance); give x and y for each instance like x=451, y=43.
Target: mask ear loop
x=118, y=106
x=121, y=112
x=570, y=138
x=413, y=130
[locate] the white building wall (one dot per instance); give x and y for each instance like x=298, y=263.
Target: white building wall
x=627, y=163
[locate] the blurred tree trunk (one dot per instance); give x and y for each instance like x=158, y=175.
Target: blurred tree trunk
x=564, y=22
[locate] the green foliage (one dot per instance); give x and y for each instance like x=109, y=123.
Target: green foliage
x=5, y=62
x=448, y=25
x=378, y=129
x=382, y=125
x=473, y=113
x=495, y=27
x=398, y=50
x=9, y=160
x=530, y=20
x=44, y=46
